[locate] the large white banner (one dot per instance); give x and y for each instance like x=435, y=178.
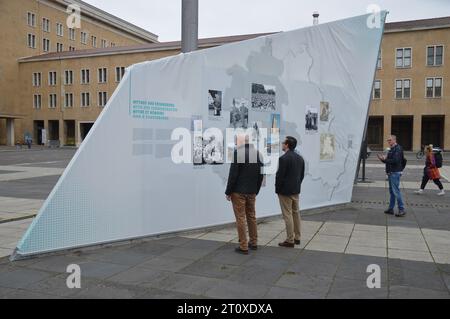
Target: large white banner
x=313, y=83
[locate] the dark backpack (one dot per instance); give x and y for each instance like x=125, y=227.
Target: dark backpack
x=404, y=161
x=438, y=159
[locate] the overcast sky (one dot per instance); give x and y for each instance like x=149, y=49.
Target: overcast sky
x=232, y=17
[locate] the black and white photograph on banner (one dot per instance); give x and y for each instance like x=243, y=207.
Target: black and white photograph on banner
x=213, y=153
x=198, y=150
x=196, y=123
x=327, y=147
x=324, y=111
x=311, y=119
x=231, y=147
x=263, y=97
x=239, y=113
x=256, y=131
x=197, y=128
x=214, y=103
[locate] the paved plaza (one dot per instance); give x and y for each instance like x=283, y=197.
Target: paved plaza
x=337, y=245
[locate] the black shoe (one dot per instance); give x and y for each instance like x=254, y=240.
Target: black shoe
x=241, y=251
x=286, y=244
x=253, y=247
x=400, y=213
x=389, y=212
x=297, y=242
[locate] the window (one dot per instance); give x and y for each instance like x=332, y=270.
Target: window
x=71, y=48
x=112, y=45
x=31, y=41
x=102, y=75
x=31, y=19
x=45, y=25
x=84, y=38
x=45, y=45
x=85, y=99
x=434, y=55
x=37, y=101
x=403, y=89
x=379, y=60
x=403, y=58
x=72, y=34
x=59, y=30
x=37, y=79
x=94, y=41
x=120, y=71
x=102, y=98
x=434, y=87
x=68, y=77
x=52, y=101
x=68, y=101
x=59, y=47
x=85, y=76
x=52, y=78
x=377, y=89
x=104, y=43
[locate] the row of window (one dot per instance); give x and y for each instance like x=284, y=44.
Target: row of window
x=84, y=35
x=403, y=57
x=46, y=47
x=85, y=100
x=433, y=88
x=85, y=76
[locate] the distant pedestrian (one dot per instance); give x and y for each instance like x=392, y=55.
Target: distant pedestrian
x=431, y=171
x=394, y=167
x=290, y=174
x=29, y=141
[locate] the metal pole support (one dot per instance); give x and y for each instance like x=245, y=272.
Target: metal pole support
x=189, y=26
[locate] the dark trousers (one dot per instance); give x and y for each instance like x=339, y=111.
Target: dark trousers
x=425, y=180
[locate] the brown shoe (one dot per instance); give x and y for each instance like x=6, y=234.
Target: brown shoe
x=241, y=251
x=286, y=244
x=253, y=247
x=297, y=242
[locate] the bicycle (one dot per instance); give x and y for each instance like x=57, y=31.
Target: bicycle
x=420, y=154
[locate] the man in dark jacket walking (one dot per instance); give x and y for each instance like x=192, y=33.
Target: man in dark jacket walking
x=290, y=174
x=394, y=168
x=244, y=182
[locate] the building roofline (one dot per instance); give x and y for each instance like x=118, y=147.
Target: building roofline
x=417, y=25
x=96, y=13
x=151, y=47
x=391, y=27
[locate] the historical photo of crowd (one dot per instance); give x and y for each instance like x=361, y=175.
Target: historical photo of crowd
x=239, y=113
x=263, y=97
x=214, y=103
x=324, y=111
x=327, y=147
x=311, y=119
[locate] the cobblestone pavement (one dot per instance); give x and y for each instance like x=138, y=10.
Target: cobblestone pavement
x=331, y=262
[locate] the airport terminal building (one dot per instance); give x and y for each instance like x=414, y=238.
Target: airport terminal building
x=57, y=80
